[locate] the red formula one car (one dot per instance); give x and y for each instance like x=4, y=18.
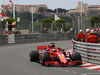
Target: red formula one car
x=55, y=56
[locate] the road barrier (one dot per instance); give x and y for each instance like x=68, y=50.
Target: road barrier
x=27, y=38
x=3, y=39
x=42, y=37
x=89, y=52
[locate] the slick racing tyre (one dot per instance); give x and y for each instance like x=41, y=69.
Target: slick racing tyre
x=34, y=56
x=44, y=58
x=76, y=57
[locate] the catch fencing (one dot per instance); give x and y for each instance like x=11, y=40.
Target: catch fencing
x=89, y=52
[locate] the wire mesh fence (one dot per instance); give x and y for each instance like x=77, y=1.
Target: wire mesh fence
x=81, y=23
x=39, y=27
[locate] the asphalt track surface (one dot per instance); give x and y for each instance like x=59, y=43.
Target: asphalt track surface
x=14, y=60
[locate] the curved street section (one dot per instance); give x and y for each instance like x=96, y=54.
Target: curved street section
x=14, y=60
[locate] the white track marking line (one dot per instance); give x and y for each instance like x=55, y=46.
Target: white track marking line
x=94, y=67
x=91, y=74
x=86, y=64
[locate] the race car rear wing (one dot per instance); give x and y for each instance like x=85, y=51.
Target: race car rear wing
x=41, y=47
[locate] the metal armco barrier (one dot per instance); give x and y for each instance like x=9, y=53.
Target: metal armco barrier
x=89, y=52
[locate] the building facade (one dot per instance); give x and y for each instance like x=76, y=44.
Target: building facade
x=87, y=10
x=23, y=8
x=80, y=8
x=93, y=10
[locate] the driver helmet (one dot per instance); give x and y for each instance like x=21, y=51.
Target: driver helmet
x=54, y=50
x=52, y=45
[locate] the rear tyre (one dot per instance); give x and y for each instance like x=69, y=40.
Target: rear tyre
x=77, y=57
x=34, y=56
x=44, y=58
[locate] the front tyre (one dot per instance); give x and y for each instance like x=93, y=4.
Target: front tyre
x=44, y=58
x=34, y=56
x=77, y=57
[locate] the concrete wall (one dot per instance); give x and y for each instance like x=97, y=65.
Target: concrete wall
x=42, y=37
x=27, y=38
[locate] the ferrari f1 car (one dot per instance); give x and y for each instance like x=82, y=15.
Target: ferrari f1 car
x=55, y=56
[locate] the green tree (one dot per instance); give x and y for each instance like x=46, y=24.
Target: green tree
x=68, y=26
x=40, y=17
x=52, y=18
x=60, y=10
x=42, y=9
x=9, y=14
x=94, y=20
x=66, y=18
x=37, y=26
x=59, y=23
x=10, y=20
x=49, y=10
x=26, y=16
x=46, y=23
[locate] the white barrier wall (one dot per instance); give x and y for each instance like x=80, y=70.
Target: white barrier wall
x=11, y=39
